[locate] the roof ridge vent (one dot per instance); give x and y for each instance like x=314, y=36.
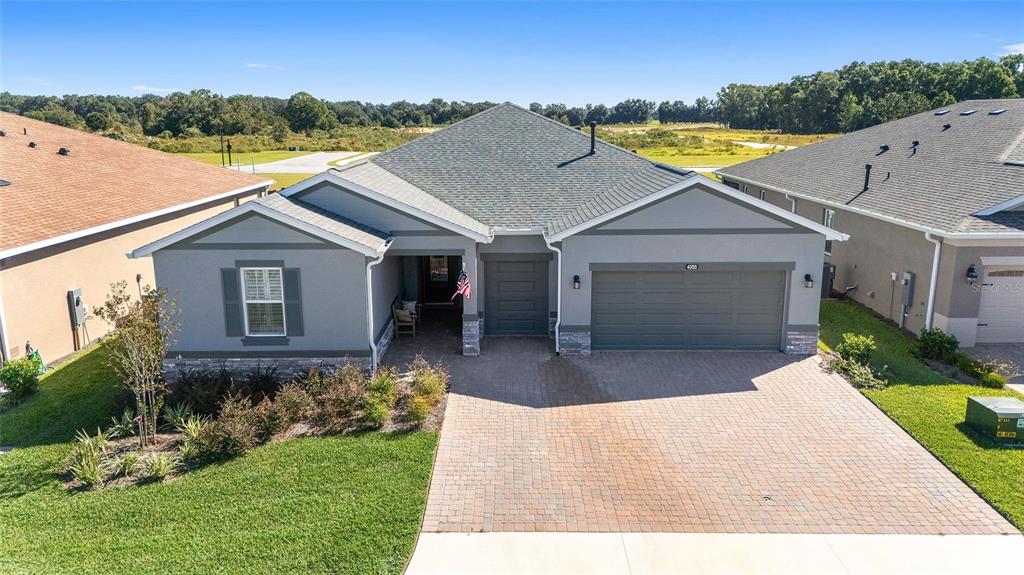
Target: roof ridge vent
x=967, y=112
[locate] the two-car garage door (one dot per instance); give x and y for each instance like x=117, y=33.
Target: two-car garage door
x=670, y=310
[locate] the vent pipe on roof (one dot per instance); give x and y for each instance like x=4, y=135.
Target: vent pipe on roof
x=31, y=144
x=882, y=149
x=593, y=137
x=946, y=127
x=64, y=152
x=867, y=176
x=24, y=131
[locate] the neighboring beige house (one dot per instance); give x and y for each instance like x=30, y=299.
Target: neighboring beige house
x=71, y=205
x=934, y=206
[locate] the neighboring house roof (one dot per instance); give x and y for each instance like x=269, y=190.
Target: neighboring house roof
x=509, y=167
x=947, y=183
x=101, y=184
x=295, y=213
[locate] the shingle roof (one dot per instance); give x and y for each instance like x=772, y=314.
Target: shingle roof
x=954, y=173
x=326, y=220
x=378, y=179
x=100, y=182
x=509, y=167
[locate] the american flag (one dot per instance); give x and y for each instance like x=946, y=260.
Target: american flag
x=462, y=287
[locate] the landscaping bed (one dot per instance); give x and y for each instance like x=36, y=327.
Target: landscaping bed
x=340, y=499
x=931, y=407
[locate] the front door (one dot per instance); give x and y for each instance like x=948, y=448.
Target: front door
x=439, y=276
x=516, y=294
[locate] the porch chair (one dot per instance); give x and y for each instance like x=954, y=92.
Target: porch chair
x=404, y=322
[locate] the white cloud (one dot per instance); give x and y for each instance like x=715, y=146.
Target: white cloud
x=1013, y=49
x=153, y=90
x=256, y=66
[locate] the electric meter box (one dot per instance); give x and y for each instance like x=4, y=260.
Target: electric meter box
x=998, y=418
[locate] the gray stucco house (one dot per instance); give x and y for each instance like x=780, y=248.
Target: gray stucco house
x=560, y=235
x=934, y=204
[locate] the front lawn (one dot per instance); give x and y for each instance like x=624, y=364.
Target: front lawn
x=931, y=408
x=341, y=504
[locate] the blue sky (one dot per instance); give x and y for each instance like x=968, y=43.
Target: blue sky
x=572, y=53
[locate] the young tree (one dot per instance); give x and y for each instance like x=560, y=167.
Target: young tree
x=144, y=328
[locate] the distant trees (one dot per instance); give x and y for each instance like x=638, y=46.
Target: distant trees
x=855, y=96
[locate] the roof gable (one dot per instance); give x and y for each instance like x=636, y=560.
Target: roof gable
x=695, y=209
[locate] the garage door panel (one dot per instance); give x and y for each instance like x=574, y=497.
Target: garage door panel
x=687, y=310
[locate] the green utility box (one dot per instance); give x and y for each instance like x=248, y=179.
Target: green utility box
x=999, y=418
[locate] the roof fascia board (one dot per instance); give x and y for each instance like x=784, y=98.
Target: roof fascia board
x=698, y=179
x=839, y=206
x=388, y=201
x=243, y=209
x=129, y=221
x=1007, y=205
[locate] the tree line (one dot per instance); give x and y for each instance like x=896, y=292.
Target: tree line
x=855, y=96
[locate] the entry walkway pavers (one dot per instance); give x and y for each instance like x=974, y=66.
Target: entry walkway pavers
x=679, y=442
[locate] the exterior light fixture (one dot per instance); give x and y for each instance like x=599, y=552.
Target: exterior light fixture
x=808, y=281
x=575, y=282
x=972, y=274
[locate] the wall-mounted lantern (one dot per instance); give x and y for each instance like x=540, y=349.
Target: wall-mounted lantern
x=972, y=274
x=575, y=282
x=808, y=281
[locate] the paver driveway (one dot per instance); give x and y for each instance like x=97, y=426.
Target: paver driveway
x=678, y=442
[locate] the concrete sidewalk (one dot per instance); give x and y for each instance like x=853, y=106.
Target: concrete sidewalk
x=720, y=554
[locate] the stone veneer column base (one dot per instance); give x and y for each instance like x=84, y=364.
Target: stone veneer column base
x=574, y=342
x=470, y=336
x=802, y=342
x=287, y=367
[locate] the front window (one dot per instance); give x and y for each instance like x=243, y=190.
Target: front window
x=828, y=219
x=263, y=293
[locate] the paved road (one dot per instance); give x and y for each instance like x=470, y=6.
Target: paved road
x=308, y=164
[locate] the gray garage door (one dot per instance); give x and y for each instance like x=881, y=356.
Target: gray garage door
x=516, y=297
x=687, y=310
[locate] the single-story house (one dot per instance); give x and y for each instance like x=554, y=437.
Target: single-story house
x=559, y=234
x=935, y=205
x=71, y=205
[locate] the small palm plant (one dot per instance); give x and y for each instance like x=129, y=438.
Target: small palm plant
x=123, y=426
x=157, y=466
x=126, y=464
x=176, y=414
x=86, y=461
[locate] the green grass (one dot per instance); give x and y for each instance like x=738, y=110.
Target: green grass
x=668, y=156
x=246, y=158
x=345, y=504
x=931, y=408
x=284, y=180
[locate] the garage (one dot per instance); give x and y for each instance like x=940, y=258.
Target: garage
x=516, y=295
x=1001, y=311
x=678, y=310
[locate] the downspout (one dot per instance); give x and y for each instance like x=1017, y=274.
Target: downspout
x=3, y=333
x=558, y=304
x=792, y=202
x=369, y=309
x=934, y=279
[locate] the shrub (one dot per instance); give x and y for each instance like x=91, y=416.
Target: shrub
x=192, y=427
x=859, y=375
x=266, y=421
x=175, y=414
x=88, y=469
x=380, y=397
x=126, y=464
x=157, y=466
x=231, y=434
x=292, y=404
x=20, y=376
x=856, y=348
x=420, y=408
x=428, y=380
x=991, y=379
x=315, y=382
x=259, y=382
x=188, y=449
x=203, y=390
x=343, y=396
x=124, y=426
x=936, y=344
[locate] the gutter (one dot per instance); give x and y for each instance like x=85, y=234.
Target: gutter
x=369, y=309
x=128, y=221
x=558, y=303
x=934, y=279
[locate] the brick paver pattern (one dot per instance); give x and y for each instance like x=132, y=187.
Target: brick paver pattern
x=678, y=442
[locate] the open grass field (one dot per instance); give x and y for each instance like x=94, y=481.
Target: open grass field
x=344, y=504
x=931, y=408
x=282, y=181
x=246, y=158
